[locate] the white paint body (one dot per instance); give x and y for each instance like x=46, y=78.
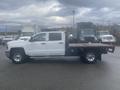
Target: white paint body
x=41, y=48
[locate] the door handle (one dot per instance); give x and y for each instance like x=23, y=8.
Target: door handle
x=43, y=43
x=60, y=42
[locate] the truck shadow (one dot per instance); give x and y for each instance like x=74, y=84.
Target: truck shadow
x=59, y=61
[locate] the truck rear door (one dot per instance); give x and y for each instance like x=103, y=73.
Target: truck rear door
x=56, y=43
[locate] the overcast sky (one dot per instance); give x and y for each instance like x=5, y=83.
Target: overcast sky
x=59, y=12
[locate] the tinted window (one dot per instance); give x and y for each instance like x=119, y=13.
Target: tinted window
x=55, y=36
x=40, y=37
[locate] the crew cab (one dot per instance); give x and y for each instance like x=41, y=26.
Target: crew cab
x=55, y=43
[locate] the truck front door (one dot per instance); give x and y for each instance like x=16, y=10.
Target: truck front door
x=38, y=45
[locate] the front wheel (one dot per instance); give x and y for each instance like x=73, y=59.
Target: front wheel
x=18, y=56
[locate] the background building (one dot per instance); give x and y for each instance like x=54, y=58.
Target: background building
x=28, y=30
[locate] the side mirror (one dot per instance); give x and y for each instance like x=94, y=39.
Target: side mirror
x=31, y=39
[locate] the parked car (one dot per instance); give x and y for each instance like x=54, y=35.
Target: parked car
x=110, y=39
x=7, y=39
x=25, y=38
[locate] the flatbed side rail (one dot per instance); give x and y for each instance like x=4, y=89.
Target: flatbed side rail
x=110, y=48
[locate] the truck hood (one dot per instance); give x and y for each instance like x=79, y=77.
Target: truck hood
x=16, y=43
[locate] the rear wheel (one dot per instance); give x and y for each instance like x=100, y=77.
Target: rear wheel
x=18, y=56
x=89, y=57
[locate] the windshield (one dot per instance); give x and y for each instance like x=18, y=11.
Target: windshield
x=104, y=33
x=88, y=32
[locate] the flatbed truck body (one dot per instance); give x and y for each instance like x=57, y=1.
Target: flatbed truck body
x=56, y=43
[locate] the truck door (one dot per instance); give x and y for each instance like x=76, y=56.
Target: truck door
x=56, y=43
x=38, y=45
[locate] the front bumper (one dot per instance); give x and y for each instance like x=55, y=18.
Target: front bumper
x=7, y=53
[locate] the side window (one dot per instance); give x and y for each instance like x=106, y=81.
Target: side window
x=55, y=36
x=40, y=37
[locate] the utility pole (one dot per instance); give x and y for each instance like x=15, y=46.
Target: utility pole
x=74, y=32
x=73, y=19
x=5, y=26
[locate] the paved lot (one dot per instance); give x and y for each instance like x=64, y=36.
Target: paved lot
x=68, y=74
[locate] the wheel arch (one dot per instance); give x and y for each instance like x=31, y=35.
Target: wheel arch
x=17, y=48
x=96, y=51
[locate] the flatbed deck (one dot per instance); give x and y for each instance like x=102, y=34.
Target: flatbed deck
x=84, y=45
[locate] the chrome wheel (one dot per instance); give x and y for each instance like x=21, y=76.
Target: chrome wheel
x=90, y=57
x=17, y=57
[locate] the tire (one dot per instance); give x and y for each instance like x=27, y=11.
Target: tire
x=18, y=56
x=89, y=58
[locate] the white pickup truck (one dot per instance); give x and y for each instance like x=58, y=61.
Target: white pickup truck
x=55, y=43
